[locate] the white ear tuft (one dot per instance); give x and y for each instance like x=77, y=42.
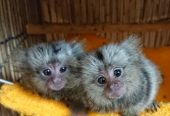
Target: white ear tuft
x=133, y=42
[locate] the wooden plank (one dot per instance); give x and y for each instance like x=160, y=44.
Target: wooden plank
x=158, y=40
x=11, y=45
x=6, y=29
x=102, y=11
x=45, y=10
x=138, y=10
x=2, y=34
x=107, y=11
x=52, y=11
x=126, y=11
x=46, y=16
x=83, y=11
x=155, y=10
x=59, y=11
x=168, y=41
x=65, y=12
x=120, y=11
x=167, y=4
x=113, y=11
x=132, y=13
x=14, y=27
x=68, y=10
x=145, y=39
x=152, y=39
x=53, y=15
x=169, y=9
x=55, y=28
x=90, y=11
x=96, y=11
x=147, y=11
x=164, y=38
x=142, y=8
x=161, y=9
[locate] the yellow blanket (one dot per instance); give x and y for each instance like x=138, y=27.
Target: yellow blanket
x=27, y=103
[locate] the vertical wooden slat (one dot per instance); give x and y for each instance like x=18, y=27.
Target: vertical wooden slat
x=65, y=12
x=155, y=10
x=168, y=38
x=52, y=11
x=72, y=12
x=132, y=11
x=138, y=10
x=146, y=39
x=11, y=44
x=96, y=11
x=6, y=31
x=45, y=10
x=114, y=18
x=102, y=11
x=90, y=11
x=157, y=42
x=77, y=11
x=152, y=39
x=142, y=7
x=84, y=11
x=68, y=11
x=120, y=11
x=126, y=11
x=107, y=10
x=113, y=38
x=148, y=11
x=169, y=10
x=46, y=15
x=164, y=38
x=1, y=38
x=161, y=8
x=114, y=11
x=120, y=37
x=125, y=35
x=166, y=7
x=59, y=11
x=53, y=15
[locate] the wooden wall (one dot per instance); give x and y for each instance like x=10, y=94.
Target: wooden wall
x=14, y=15
x=95, y=12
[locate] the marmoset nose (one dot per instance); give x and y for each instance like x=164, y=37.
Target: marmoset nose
x=56, y=79
x=116, y=85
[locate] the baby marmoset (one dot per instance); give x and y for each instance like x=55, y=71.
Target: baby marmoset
x=120, y=78
x=50, y=68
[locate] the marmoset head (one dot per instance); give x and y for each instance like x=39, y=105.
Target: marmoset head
x=112, y=72
x=52, y=66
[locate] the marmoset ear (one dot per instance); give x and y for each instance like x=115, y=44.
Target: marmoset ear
x=77, y=48
x=132, y=43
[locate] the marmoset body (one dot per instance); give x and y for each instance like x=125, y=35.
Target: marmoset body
x=118, y=77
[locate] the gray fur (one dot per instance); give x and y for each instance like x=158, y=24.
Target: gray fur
x=32, y=60
x=141, y=77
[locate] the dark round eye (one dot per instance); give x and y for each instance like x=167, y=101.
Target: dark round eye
x=47, y=72
x=117, y=72
x=63, y=69
x=101, y=80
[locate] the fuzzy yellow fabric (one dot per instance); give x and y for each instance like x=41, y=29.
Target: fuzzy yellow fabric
x=26, y=102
